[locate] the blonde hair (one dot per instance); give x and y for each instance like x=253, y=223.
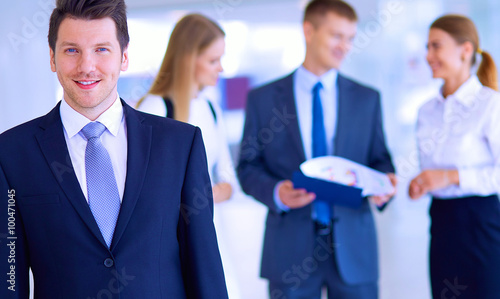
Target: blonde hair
x=190, y=37
x=462, y=29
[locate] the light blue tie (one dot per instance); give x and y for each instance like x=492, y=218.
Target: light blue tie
x=103, y=196
x=321, y=209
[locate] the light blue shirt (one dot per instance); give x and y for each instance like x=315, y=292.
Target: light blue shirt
x=304, y=82
x=114, y=140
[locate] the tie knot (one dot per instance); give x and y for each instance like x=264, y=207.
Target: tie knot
x=317, y=87
x=93, y=130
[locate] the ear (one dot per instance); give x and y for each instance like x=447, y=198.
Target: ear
x=52, y=61
x=124, y=66
x=309, y=30
x=467, y=51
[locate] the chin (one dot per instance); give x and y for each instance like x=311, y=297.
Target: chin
x=335, y=64
x=436, y=75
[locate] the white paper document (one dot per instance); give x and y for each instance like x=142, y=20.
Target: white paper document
x=349, y=173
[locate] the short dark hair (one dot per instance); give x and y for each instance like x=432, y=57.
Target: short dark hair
x=90, y=10
x=319, y=8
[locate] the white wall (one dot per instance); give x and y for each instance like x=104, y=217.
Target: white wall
x=27, y=85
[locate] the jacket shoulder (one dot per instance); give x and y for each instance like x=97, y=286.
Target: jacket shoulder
x=270, y=87
x=162, y=123
x=361, y=87
x=24, y=130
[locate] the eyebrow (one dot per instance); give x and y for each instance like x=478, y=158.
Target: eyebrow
x=71, y=44
x=64, y=44
x=107, y=44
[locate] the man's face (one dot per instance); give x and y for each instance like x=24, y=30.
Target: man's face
x=88, y=61
x=330, y=41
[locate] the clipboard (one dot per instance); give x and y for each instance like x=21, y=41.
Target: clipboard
x=330, y=192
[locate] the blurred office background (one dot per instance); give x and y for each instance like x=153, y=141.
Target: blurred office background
x=264, y=41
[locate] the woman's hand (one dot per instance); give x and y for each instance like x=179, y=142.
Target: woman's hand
x=430, y=180
x=222, y=192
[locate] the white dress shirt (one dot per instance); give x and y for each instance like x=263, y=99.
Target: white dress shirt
x=114, y=140
x=462, y=131
x=304, y=82
x=220, y=164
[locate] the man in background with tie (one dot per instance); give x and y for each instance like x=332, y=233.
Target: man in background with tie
x=97, y=199
x=313, y=112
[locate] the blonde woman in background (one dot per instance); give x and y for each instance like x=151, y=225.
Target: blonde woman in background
x=193, y=61
x=458, y=136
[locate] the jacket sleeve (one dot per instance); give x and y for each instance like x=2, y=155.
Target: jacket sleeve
x=199, y=253
x=380, y=158
x=14, y=262
x=255, y=179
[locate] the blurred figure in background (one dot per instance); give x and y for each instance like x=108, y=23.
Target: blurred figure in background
x=313, y=112
x=458, y=136
x=193, y=61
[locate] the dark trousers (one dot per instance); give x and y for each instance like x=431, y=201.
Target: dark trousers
x=317, y=272
x=465, y=248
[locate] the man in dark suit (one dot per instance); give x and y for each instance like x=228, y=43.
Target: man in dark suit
x=100, y=200
x=315, y=112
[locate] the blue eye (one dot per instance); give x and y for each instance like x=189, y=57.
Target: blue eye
x=71, y=50
x=102, y=50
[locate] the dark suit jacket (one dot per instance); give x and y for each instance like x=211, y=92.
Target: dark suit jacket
x=164, y=244
x=272, y=150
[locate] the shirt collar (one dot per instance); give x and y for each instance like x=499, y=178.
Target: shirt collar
x=307, y=80
x=466, y=93
x=73, y=122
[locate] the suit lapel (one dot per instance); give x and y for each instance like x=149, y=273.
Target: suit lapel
x=286, y=97
x=345, y=111
x=139, y=146
x=54, y=148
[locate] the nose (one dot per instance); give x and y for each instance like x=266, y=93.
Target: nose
x=346, y=44
x=86, y=63
x=428, y=56
x=220, y=69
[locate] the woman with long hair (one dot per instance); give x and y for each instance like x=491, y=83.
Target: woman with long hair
x=192, y=62
x=458, y=134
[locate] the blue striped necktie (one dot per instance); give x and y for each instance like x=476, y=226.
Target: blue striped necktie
x=103, y=196
x=321, y=209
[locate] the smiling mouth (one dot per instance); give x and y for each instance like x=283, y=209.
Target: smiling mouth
x=87, y=84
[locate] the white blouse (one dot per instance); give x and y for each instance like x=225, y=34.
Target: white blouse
x=462, y=131
x=220, y=165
